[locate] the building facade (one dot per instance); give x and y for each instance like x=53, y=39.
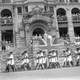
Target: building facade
x=22, y=21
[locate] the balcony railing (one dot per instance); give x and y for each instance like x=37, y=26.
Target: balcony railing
x=6, y=21
x=76, y=18
x=62, y=19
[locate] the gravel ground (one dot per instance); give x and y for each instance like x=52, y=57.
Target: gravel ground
x=53, y=74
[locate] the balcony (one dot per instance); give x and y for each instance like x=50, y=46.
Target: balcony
x=76, y=20
x=6, y=21
x=62, y=21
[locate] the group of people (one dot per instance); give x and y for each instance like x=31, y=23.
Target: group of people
x=62, y=18
x=6, y=20
x=43, y=61
x=71, y=58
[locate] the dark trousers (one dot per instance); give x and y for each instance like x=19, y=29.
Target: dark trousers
x=39, y=66
x=78, y=62
x=25, y=66
x=69, y=63
x=10, y=67
x=52, y=65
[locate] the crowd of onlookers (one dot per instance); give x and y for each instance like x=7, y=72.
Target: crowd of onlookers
x=64, y=17
x=43, y=61
x=6, y=20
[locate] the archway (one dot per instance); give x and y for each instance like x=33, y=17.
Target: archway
x=75, y=11
x=38, y=31
x=61, y=12
x=6, y=13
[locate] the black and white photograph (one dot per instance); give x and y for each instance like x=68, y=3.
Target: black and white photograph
x=39, y=39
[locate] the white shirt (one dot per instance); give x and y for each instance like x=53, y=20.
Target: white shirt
x=40, y=61
x=26, y=55
x=11, y=56
x=70, y=58
x=9, y=62
x=54, y=59
x=78, y=57
x=44, y=59
x=25, y=61
x=12, y=59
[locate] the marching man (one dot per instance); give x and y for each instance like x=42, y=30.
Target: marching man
x=25, y=62
x=44, y=60
x=53, y=62
x=40, y=60
x=69, y=58
x=10, y=63
x=78, y=58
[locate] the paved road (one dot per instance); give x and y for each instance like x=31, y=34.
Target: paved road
x=57, y=74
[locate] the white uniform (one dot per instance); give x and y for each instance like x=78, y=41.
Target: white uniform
x=44, y=60
x=25, y=61
x=41, y=58
x=69, y=58
x=12, y=59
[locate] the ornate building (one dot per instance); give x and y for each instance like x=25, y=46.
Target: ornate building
x=38, y=24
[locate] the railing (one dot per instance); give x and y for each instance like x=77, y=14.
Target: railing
x=62, y=19
x=6, y=21
x=76, y=18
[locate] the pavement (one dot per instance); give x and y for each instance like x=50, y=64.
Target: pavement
x=50, y=74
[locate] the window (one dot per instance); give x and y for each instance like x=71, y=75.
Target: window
x=77, y=31
x=19, y=10
x=45, y=8
x=61, y=1
x=6, y=1
x=26, y=8
x=63, y=31
x=51, y=9
x=73, y=0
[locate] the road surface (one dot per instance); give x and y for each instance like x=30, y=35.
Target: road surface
x=53, y=74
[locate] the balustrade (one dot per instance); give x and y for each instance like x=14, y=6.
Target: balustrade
x=62, y=18
x=76, y=18
x=6, y=21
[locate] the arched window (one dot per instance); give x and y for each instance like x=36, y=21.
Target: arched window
x=61, y=12
x=75, y=11
x=73, y=0
x=6, y=13
x=62, y=19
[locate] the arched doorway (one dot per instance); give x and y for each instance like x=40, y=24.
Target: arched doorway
x=38, y=31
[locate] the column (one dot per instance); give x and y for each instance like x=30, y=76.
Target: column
x=55, y=23
x=27, y=29
x=0, y=40
x=70, y=25
x=29, y=46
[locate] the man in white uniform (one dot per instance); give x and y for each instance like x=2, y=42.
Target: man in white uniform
x=40, y=59
x=10, y=62
x=25, y=62
x=44, y=60
x=69, y=58
x=78, y=58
